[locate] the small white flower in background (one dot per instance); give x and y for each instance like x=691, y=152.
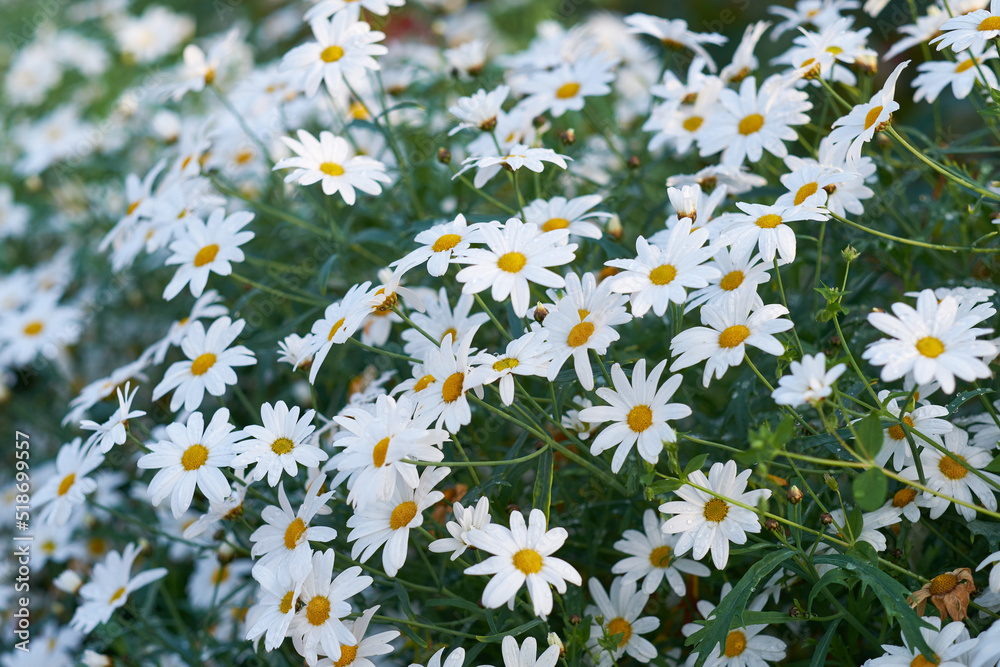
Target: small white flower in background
x=871, y=523
x=744, y=62
x=275, y=607
x=479, y=110
x=206, y=306
x=41, y=327
x=192, y=457
x=109, y=588
x=209, y=365
x=675, y=34
x=515, y=157
x=851, y=132
x=327, y=8
x=527, y=355
x=621, y=613
x=946, y=475
x=809, y=185
x=207, y=247
x=69, y=485
x=522, y=554
x=296, y=350
x=931, y=342
x=951, y=647
x=468, y=58
x=564, y=88
x=332, y=162
x=993, y=559
x=466, y=519
x=282, y=542
x=440, y=245
x=230, y=508
x=112, y=432
x=455, y=659
x=280, y=445
x=744, y=646
x=639, y=411
x=570, y=214
x=977, y=28
x=200, y=69
x=571, y=417
x=339, y=322
x=214, y=581
x=924, y=418
x=344, y=49
x=652, y=558
x=707, y=522
x=807, y=381
x=765, y=228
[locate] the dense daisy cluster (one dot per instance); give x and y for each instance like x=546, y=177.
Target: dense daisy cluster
x=372, y=332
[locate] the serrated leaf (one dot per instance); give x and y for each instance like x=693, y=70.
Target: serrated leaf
x=870, y=434
x=870, y=488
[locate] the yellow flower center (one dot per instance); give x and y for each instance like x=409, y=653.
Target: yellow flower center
x=33, y=328
x=663, y=275
x=619, y=626
x=446, y=242
x=347, y=653
x=751, y=124
x=904, y=497
x=331, y=54
x=715, y=510
x=66, y=484
x=872, y=116
x=512, y=262
x=423, y=383
x=769, y=221
x=943, y=583
x=194, y=457
x=403, y=515
x=528, y=561
x=990, y=23
x=732, y=280
x=733, y=336
x=285, y=605
x=335, y=328
x=640, y=418
x=201, y=365
x=568, y=90
x=660, y=556
x=505, y=364
x=451, y=390
x=580, y=334
x=117, y=594
x=378, y=454
x=282, y=446
x=131, y=207
x=897, y=432
x=805, y=192
x=929, y=346
x=293, y=534
x=692, y=123
x=951, y=468
x=318, y=610
x=555, y=223
x=449, y=330
x=206, y=255
x=835, y=50
x=963, y=66
x=331, y=169
x=921, y=661
x=736, y=643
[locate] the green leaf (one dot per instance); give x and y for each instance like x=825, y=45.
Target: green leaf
x=732, y=607
x=662, y=486
x=823, y=646
x=695, y=464
x=870, y=434
x=991, y=531
x=513, y=632
x=461, y=603
x=963, y=396
x=542, y=496
x=870, y=488
x=856, y=522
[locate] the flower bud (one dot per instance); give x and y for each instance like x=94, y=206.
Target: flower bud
x=826, y=518
x=794, y=495
x=633, y=162
x=614, y=227
x=444, y=155
x=93, y=659
x=540, y=313
x=68, y=581
x=771, y=524
x=553, y=640
x=568, y=137
x=226, y=554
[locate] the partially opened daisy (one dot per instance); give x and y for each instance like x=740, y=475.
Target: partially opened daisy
x=574, y=215
x=69, y=484
x=652, y=558
x=732, y=325
x=976, y=28
x=339, y=322
x=516, y=254
x=441, y=244
x=109, y=588
x=344, y=48
x=639, y=411
x=280, y=445
x=522, y=555
x=930, y=342
x=209, y=364
x=961, y=75
x=621, y=614
x=112, y=432
x=466, y=519
x=851, y=132
x=765, y=228
x=708, y=520
x=675, y=34
x=207, y=247
x=282, y=542
x=191, y=458
x=331, y=161
x=807, y=381
x=515, y=157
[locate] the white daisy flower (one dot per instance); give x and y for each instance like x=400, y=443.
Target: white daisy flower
x=331, y=161
x=709, y=523
x=440, y=245
x=280, y=445
x=109, y=588
x=851, y=132
x=465, y=520
x=283, y=541
x=993, y=559
x=871, y=523
x=229, y=509
x=209, y=365
x=318, y=625
x=675, y=34
x=479, y=110
x=344, y=48
x=439, y=320
x=946, y=475
x=652, y=558
x=205, y=306
x=200, y=69
x=522, y=555
x=296, y=350
x=807, y=381
x=327, y=8
x=739, y=271
x=661, y=274
x=931, y=342
x=620, y=615
x=904, y=500
x=571, y=418
x=744, y=646
x=810, y=185
x=976, y=28
x=639, y=411
x=527, y=355
x=571, y=214
x=457, y=658
x=925, y=419
x=765, y=228
x=68, y=485
x=191, y=458
x=732, y=325
x=677, y=124
x=987, y=647
x=452, y=375
x=515, y=255
x=949, y=644
x=41, y=327
x=359, y=653
x=113, y=431
x=564, y=88
x=961, y=75
x=339, y=322
x=207, y=247
x=389, y=522
x=516, y=156
x=271, y=616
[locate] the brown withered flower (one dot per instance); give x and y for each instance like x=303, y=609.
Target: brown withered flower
x=949, y=592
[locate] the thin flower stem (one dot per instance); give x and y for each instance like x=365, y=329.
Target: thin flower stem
x=472, y=468
x=488, y=197
x=501, y=328
x=919, y=244
x=947, y=173
x=799, y=418
x=394, y=355
x=784, y=302
x=479, y=464
x=277, y=292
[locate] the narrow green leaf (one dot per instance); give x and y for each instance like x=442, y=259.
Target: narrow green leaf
x=823, y=646
x=513, y=632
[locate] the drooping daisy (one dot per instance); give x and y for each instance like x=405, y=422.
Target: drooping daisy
x=344, y=48
x=639, y=411
x=706, y=521
x=925, y=418
x=465, y=520
x=732, y=325
x=522, y=554
x=807, y=381
x=652, y=558
x=318, y=625
x=851, y=132
x=69, y=485
x=191, y=458
x=209, y=365
x=388, y=522
x=229, y=509
x=207, y=247
x=765, y=228
x=739, y=271
x=574, y=215
x=109, y=588
x=661, y=274
x=976, y=28
x=364, y=648
x=930, y=342
x=527, y=355
x=515, y=157
x=948, y=644
x=283, y=541
x=743, y=646
x=675, y=34
x=276, y=604
x=339, y=322
x=280, y=445
x=516, y=254
x=331, y=161
x=112, y=432
x=620, y=613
